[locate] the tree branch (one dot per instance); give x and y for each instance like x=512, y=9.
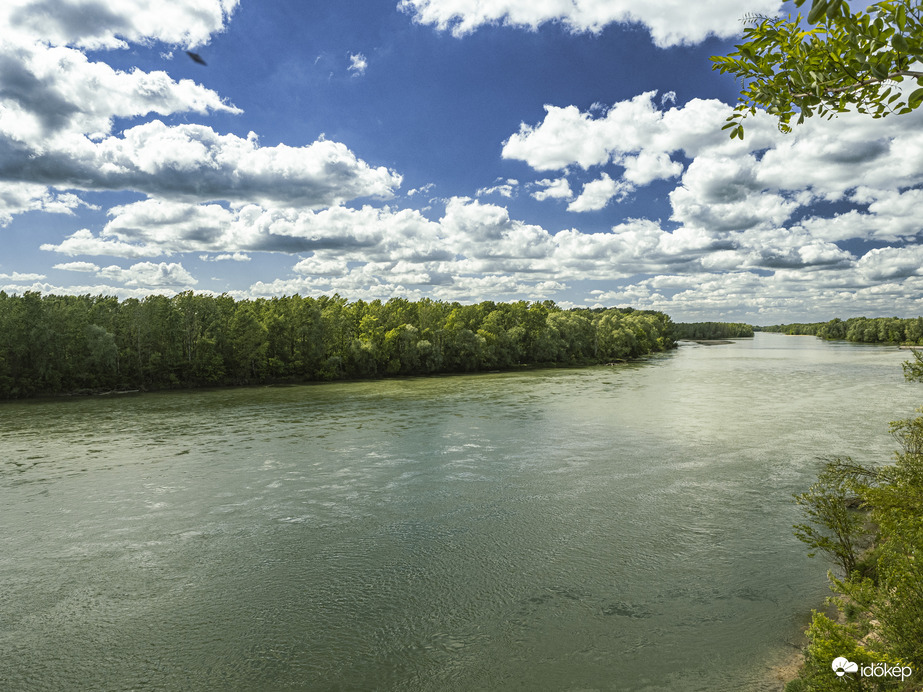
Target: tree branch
x=864, y=83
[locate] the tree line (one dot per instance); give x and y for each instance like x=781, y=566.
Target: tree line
x=876, y=330
x=52, y=344
x=712, y=330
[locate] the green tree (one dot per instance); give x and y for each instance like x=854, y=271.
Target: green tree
x=103, y=356
x=846, y=60
x=832, y=527
x=250, y=341
x=400, y=345
x=913, y=369
x=883, y=608
x=830, y=640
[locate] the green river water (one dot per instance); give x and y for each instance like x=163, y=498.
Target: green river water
x=605, y=528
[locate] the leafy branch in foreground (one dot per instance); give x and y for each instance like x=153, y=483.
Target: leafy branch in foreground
x=847, y=61
x=833, y=526
x=913, y=369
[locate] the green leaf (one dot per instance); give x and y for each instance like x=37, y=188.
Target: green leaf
x=817, y=11
x=900, y=44
x=879, y=72
x=916, y=98
x=902, y=17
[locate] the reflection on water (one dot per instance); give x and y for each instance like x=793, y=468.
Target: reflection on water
x=618, y=528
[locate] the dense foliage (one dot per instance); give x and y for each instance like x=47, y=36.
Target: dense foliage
x=879, y=591
x=846, y=61
x=54, y=344
x=712, y=330
x=877, y=330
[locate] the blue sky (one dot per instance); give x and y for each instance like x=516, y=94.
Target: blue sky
x=563, y=150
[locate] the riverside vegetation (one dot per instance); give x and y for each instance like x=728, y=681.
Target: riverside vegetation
x=82, y=344
x=877, y=330
x=712, y=330
x=869, y=522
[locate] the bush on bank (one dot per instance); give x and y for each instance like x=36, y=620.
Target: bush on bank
x=879, y=592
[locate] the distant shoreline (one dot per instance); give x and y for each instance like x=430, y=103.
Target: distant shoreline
x=519, y=368
x=713, y=342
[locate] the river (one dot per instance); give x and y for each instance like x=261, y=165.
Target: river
x=604, y=528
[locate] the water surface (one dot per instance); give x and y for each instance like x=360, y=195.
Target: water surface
x=607, y=528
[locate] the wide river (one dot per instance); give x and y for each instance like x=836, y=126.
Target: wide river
x=606, y=528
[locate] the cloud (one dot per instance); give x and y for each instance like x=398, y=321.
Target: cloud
x=97, y=289
x=552, y=189
x=357, y=64
x=478, y=251
x=885, y=264
x=58, y=109
x=422, y=190
x=470, y=239
x=193, y=162
x=564, y=138
x=634, y=133
x=83, y=242
x=94, y=24
x=149, y=275
x=504, y=188
x=315, y=266
x=596, y=194
x=51, y=92
x=725, y=194
x=745, y=296
x=227, y=256
x=729, y=185
x=17, y=198
x=155, y=226
x=670, y=22
x=142, y=274
x=647, y=167
x=17, y=276
x=87, y=267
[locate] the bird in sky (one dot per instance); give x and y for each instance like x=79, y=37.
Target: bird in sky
x=196, y=57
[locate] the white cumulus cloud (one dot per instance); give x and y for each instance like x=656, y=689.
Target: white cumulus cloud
x=596, y=194
x=670, y=22
x=552, y=189
x=95, y=25
x=149, y=274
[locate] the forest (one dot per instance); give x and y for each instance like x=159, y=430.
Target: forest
x=712, y=330
x=876, y=330
x=52, y=344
